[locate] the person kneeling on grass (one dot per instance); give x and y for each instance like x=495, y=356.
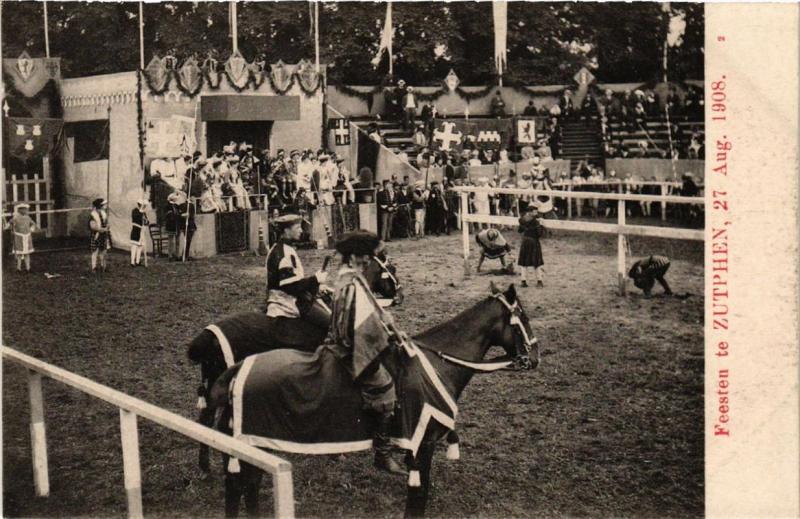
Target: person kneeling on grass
x=493, y=246
x=647, y=271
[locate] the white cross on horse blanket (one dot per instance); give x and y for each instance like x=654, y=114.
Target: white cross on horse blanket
x=307, y=403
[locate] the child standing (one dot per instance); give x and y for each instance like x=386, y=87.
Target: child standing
x=139, y=219
x=101, y=237
x=22, y=226
x=530, y=252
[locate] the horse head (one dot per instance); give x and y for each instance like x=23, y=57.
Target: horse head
x=513, y=331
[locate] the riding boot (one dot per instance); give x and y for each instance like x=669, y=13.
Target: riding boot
x=383, y=449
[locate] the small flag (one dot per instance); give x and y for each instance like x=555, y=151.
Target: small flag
x=386, y=37
x=341, y=131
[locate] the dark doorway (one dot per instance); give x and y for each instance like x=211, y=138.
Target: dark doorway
x=221, y=133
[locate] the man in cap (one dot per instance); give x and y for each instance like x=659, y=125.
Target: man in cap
x=647, y=271
x=387, y=206
x=410, y=108
x=493, y=246
x=291, y=295
x=359, y=342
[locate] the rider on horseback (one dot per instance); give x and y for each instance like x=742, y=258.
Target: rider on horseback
x=291, y=296
x=356, y=321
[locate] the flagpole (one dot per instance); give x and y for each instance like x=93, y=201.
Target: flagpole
x=234, y=28
x=391, y=38
x=316, y=33
x=46, y=33
x=141, y=36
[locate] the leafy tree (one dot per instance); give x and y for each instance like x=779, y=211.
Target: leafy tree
x=547, y=42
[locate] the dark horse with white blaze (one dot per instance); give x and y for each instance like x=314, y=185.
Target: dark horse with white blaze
x=455, y=349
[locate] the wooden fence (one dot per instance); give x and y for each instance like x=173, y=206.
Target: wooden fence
x=33, y=190
x=621, y=229
x=130, y=409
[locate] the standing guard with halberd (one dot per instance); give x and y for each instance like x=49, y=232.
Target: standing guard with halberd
x=291, y=296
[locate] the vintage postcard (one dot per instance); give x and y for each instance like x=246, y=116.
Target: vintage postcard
x=371, y=259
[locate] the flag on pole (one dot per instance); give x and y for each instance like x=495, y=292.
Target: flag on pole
x=386, y=39
x=500, y=15
x=233, y=25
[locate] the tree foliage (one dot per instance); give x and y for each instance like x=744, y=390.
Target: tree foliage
x=547, y=42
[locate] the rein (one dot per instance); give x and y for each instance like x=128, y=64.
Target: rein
x=497, y=363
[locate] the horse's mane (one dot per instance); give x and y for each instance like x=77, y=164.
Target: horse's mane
x=456, y=324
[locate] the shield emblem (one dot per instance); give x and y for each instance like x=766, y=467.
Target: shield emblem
x=20, y=129
x=25, y=66
x=190, y=76
x=452, y=80
x=157, y=74
x=37, y=130
x=281, y=77
x=237, y=69
x=307, y=74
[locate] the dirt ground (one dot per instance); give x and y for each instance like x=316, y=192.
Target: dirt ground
x=610, y=424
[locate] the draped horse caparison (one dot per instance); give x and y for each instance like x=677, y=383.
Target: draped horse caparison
x=431, y=371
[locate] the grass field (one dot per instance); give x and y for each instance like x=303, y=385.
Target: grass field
x=610, y=424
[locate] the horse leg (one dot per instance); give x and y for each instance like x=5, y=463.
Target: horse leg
x=207, y=417
x=233, y=490
x=417, y=498
x=251, y=480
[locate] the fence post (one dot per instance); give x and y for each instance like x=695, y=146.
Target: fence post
x=130, y=459
x=41, y=478
x=283, y=492
x=621, y=247
x=569, y=201
x=464, y=209
x=663, y=204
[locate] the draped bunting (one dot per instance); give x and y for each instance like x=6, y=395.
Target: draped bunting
x=29, y=75
x=240, y=75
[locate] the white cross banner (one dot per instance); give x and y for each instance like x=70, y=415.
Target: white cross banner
x=341, y=131
x=447, y=138
x=170, y=138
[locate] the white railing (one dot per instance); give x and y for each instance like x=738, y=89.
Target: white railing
x=130, y=409
x=621, y=229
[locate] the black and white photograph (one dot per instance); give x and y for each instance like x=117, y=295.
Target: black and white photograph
x=358, y=259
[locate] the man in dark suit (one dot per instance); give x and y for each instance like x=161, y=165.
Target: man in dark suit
x=387, y=206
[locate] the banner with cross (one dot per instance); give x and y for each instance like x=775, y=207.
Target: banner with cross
x=451, y=134
x=341, y=131
x=27, y=138
x=170, y=137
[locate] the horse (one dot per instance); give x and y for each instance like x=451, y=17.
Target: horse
x=455, y=349
x=230, y=340
x=253, y=335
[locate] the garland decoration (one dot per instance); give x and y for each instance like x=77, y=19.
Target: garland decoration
x=191, y=78
x=140, y=118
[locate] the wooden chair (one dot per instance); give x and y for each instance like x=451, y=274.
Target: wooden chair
x=158, y=239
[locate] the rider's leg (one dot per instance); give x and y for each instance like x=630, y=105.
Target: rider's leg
x=378, y=394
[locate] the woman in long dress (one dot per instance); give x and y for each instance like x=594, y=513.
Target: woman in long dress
x=530, y=252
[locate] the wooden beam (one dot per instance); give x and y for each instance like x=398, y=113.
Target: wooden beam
x=583, y=195
x=129, y=432
x=41, y=478
x=603, y=228
x=214, y=439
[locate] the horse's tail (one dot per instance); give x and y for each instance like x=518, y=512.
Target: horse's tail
x=203, y=347
x=218, y=396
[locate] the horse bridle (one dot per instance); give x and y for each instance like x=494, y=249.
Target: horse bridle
x=521, y=361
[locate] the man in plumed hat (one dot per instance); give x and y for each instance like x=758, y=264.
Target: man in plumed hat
x=291, y=295
x=360, y=335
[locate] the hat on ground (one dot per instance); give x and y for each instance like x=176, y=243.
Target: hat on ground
x=359, y=242
x=288, y=220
